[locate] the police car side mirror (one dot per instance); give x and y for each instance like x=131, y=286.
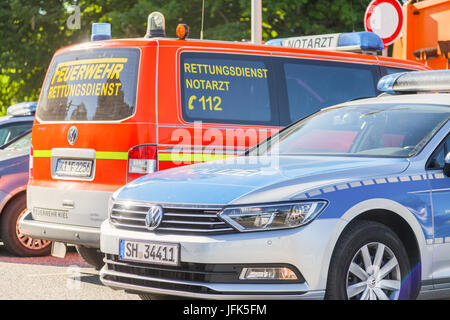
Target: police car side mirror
x=447, y=165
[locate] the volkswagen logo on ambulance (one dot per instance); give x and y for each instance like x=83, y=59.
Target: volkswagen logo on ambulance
x=154, y=217
x=72, y=135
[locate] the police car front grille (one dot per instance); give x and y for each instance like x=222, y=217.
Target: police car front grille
x=186, y=271
x=176, y=219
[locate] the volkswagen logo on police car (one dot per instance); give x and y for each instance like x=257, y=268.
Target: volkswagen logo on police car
x=72, y=135
x=153, y=217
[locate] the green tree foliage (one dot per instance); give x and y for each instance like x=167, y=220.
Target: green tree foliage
x=32, y=30
x=304, y=17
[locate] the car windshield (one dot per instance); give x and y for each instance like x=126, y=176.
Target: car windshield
x=385, y=130
x=9, y=131
x=21, y=143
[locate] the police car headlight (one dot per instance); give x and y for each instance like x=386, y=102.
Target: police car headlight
x=272, y=217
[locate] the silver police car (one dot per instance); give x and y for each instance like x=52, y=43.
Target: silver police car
x=352, y=202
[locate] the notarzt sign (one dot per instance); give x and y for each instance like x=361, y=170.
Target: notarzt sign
x=324, y=41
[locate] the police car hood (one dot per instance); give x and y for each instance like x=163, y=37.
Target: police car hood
x=11, y=155
x=253, y=180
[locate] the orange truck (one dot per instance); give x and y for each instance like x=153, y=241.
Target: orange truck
x=426, y=33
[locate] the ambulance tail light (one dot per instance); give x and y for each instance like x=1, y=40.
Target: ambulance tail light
x=101, y=31
x=142, y=160
x=30, y=168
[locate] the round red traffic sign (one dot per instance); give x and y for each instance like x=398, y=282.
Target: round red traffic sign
x=384, y=18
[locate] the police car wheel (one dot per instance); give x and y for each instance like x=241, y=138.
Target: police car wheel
x=15, y=242
x=92, y=256
x=369, y=263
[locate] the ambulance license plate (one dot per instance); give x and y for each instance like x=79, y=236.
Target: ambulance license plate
x=149, y=252
x=73, y=168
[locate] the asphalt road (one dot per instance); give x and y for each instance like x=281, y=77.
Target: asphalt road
x=50, y=278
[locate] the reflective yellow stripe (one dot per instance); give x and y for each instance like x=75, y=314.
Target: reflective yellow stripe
x=111, y=155
x=42, y=153
x=102, y=155
x=192, y=157
x=86, y=61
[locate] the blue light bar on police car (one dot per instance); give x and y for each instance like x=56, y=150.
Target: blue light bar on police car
x=416, y=81
x=352, y=41
x=22, y=109
x=101, y=31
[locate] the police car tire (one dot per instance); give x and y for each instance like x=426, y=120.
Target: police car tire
x=92, y=256
x=8, y=223
x=352, y=240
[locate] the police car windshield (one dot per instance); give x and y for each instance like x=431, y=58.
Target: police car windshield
x=387, y=130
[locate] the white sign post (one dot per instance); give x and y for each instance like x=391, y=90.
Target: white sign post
x=256, y=21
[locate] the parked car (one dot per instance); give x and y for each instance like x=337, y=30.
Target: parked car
x=114, y=110
x=349, y=203
x=14, y=162
x=18, y=120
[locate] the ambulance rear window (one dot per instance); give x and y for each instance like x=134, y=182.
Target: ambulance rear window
x=91, y=85
x=226, y=88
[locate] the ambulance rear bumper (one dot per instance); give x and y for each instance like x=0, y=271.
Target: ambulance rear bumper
x=86, y=236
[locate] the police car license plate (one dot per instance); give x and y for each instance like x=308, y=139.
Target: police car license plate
x=73, y=168
x=151, y=252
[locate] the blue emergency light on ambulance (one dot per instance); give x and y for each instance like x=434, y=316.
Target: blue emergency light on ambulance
x=101, y=31
x=351, y=41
